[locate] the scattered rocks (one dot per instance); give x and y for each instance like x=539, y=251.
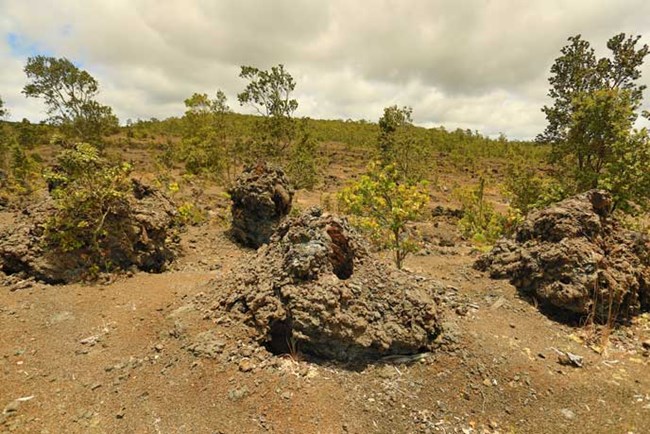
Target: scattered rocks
x=569, y=359
x=261, y=198
x=12, y=407
x=207, y=344
x=315, y=289
x=238, y=394
x=576, y=257
x=568, y=413
x=246, y=365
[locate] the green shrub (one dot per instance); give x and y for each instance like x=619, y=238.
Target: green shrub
x=304, y=166
x=190, y=214
x=480, y=222
x=92, y=207
x=383, y=205
x=528, y=189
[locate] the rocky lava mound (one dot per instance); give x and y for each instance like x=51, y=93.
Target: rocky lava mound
x=316, y=290
x=261, y=198
x=574, y=256
x=143, y=242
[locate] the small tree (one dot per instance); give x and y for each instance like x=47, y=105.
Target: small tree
x=3, y=111
x=393, y=120
x=69, y=94
x=206, y=148
x=269, y=93
x=398, y=145
x=384, y=206
x=303, y=167
x=481, y=222
x=590, y=124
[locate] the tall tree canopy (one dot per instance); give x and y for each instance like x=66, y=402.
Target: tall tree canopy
x=269, y=92
x=69, y=94
x=596, y=102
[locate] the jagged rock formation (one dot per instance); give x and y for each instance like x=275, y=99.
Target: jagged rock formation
x=574, y=256
x=261, y=198
x=315, y=288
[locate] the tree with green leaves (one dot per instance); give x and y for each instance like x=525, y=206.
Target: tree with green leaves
x=69, y=94
x=596, y=102
x=399, y=145
x=393, y=120
x=384, y=206
x=3, y=110
x=269, y=93
x=206, y=147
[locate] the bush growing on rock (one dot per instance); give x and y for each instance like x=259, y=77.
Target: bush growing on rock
x=91, y=198
x=97, y=219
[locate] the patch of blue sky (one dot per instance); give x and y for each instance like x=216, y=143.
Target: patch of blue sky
x=22, y=47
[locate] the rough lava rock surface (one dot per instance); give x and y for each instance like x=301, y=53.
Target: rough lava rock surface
x=150, y=222
x=261, y=197
x=574, y=256
x=315, y=288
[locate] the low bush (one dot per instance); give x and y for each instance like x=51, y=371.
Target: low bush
x=481, y=223
x=92, y=214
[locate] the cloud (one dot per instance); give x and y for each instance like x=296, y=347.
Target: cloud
x=478, y=64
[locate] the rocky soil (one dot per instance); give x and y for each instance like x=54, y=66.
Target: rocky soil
x=190, y=349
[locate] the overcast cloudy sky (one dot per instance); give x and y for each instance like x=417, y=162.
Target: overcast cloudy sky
x=478, y=64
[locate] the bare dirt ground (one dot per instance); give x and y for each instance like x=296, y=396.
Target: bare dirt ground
x=121, y=357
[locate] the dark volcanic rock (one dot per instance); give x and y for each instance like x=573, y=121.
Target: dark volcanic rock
x=148, y=224
x=261, y=197
x=576, y=257
x=315, y=287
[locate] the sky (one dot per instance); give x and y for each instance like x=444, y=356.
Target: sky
x=473, y=64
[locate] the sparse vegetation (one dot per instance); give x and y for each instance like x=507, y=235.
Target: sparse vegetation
x=480, y=222
x=528, y=188
x=304, y=167
x=87, y=207
x=3, y=110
